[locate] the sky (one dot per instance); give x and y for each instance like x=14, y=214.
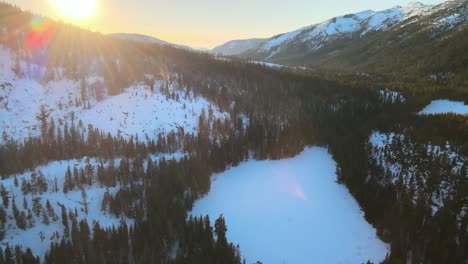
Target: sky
x=208, y=23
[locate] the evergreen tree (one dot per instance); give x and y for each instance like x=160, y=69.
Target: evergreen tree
x=4, y=194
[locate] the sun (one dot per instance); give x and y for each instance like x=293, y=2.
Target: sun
x=75, y=9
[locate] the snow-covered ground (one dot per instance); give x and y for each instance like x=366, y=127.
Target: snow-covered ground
x=444, y=107
x=268, y=64
x=403, y=160
x=39, y=237
x=139, y=110
x=292, y=211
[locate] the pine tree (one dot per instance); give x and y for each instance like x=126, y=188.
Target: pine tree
x=106, y=201
x=37, y=207
x=4, y=194
x=18, y=255
x=68, y=182
x=50, y=211
x=21, y=221
x=25, y=187
x=15, y=209
x=45, y=217
x=55, y=187
x=65, y=221
x=28, y=257
x=9, y=256
x=84, y=197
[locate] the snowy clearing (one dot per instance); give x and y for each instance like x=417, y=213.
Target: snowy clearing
x=292, y=211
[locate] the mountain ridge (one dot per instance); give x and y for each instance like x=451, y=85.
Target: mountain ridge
x=375, y=41
x=412, y=9
x=147, y=39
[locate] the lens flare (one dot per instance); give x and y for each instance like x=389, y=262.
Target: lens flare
x=287, y=183
x=40, y=33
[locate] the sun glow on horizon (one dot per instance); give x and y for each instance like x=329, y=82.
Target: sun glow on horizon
x=77, y=10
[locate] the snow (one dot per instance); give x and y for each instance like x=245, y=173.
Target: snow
x=31, y=237
x=292, y=211
x=236, y=47
x=281, y=39
x=389, y=96
x=444, y=107
x=403, y=158
x=136, y=111
x=140, y=111
x=269, y=64
x=450, y=21
x=316, y=35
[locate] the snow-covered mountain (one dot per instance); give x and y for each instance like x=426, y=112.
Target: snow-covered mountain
x=344, y=35
x=316, y=36
x=147, y=39
x=236, y=47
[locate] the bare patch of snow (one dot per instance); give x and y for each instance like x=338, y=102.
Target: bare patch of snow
x=444, y=107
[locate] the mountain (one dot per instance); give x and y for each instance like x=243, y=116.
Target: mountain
x=316, y=36
x=374, y=40
x=236, y=47
x=147, y=39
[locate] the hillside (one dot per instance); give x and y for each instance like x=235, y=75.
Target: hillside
x=146, y=39
x=236, y=47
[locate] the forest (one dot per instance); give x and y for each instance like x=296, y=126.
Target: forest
x=286, y=109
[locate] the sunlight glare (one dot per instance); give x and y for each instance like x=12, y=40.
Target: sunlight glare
x=75, y=9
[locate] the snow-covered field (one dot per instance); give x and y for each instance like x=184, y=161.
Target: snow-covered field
x=444, y=107
x=292, y=211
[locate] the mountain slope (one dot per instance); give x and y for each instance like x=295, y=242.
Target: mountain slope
x=393, y=39
x=143, y=109
x=236, y=47
x=147, y=39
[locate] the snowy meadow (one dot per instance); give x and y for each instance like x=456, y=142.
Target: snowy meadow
x=292, y=211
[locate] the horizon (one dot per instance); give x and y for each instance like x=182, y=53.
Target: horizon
x=206, y=25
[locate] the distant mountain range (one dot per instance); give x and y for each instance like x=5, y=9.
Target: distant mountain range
x=368, y=40
x=147, y=39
